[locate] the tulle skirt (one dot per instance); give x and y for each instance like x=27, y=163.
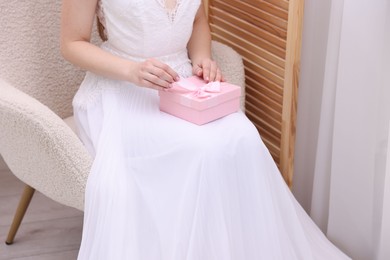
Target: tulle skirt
x=162, y=188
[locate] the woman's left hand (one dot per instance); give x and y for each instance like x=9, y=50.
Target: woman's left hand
x=208, y=70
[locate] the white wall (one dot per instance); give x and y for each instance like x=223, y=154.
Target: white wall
x=314, y=45
x=343, y=124
x=360, y=129
x=384, y=249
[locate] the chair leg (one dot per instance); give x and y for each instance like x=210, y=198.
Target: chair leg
x=20, y=211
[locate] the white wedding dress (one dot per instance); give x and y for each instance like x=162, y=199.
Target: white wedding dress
x=162, y=188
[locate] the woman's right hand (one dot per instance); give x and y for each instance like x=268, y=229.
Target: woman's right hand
x=154, y=74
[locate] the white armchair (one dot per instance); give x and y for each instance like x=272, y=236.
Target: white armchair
x=36, y=90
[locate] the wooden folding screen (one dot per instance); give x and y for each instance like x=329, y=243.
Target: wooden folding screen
x=267, y=33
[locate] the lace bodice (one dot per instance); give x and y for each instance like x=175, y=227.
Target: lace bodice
x=147, y=28
x=140, y=29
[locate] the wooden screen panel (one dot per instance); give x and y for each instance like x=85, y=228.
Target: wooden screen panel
x=267, y=34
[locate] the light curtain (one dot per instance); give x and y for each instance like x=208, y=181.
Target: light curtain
x=342, y=168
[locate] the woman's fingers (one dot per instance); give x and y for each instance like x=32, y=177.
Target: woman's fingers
x=156, y=80
x=168, y=72
x=197, y=70
x=148, y=84
x=218, y=75
x=208, y=69
x=213, y=71
x=157, y=75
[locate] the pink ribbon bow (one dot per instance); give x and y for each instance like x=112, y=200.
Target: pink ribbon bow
x=196, y=87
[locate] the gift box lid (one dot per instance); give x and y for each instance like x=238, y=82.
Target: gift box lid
x=184, y=93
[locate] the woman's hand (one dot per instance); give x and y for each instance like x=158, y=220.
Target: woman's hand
x=154, y=74
x=199, y=49
x=208, y=70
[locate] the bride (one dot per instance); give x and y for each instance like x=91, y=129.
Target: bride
x=161, y=188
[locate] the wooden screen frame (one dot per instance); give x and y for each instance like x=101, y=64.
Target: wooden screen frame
x=286, y=144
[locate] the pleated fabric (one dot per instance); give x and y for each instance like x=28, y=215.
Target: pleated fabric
x=162, y=188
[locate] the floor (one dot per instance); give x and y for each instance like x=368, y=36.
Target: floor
x=49, y=231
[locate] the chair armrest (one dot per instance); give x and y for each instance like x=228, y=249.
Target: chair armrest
x=231, y=65
x=40, y=149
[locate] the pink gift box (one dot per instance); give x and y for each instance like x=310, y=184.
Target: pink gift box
x=190, y=99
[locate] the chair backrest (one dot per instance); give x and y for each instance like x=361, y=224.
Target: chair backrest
x=30, y=57
x=40, y=149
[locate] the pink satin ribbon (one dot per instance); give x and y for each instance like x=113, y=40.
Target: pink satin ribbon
x=194, y=90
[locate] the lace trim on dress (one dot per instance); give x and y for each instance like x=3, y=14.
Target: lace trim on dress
x=171, y=12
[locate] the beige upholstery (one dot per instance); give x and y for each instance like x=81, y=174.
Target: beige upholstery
x=40, y=148
x=30, y=53
x=231, y=65
x=36, y=89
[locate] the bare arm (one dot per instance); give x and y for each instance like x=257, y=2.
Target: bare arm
x=199, y=49
x=76, y=26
